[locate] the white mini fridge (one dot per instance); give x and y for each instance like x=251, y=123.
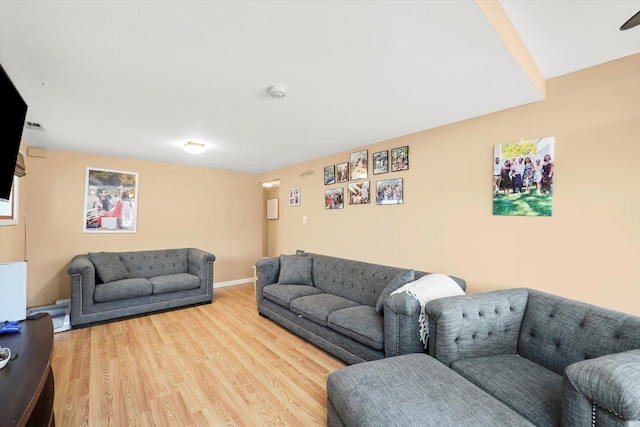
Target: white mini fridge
x=13, y=290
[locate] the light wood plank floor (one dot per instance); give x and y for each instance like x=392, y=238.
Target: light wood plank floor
x=219, y=364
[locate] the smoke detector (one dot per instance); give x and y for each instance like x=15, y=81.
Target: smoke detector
x=277, y=91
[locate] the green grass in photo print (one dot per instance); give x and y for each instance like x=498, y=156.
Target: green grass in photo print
x=521, y=204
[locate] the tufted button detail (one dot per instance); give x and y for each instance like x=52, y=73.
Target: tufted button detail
x=464, y=314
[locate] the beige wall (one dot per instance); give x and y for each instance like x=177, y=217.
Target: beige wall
x=179, y=206
x=588, y=250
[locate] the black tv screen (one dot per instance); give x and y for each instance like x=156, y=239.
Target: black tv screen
x=13, y=111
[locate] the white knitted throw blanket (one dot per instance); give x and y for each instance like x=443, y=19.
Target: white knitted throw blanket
x=425, y=289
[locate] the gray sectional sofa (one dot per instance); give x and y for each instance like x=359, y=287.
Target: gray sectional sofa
x=550, y=360
x=111, y=285
x=342, y=306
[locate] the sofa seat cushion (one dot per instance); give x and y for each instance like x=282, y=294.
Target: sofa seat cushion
x=532, y=390
x=174, y=282
x=412, y=390
x=122, y=289
x=284, y=294
x=361, y=323
x=317, y=308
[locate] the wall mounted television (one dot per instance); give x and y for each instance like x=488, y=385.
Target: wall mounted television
x=13, y=113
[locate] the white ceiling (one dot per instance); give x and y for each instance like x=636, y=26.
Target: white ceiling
x=140, y=78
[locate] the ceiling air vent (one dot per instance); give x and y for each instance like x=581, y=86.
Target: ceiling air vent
x=34, y=126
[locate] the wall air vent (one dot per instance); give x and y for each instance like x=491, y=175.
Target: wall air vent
x=34, y=126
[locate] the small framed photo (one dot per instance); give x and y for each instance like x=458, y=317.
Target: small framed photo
x=380, y=162
x=329, y=175
x=342, y=172
x=294, y=196
x=400, y=159
x=334, y=198
x=358, y=193
x=359, y=165
x=389, y=192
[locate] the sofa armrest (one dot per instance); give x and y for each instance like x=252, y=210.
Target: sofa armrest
x=201, y=265
x=267, y=272
x=610, y=383
x=475, y=325
x=402, y=325
x=83, y=283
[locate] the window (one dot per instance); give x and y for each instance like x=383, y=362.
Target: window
x=9, y=209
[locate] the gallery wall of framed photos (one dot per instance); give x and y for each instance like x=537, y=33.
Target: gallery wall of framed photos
x=387, y=189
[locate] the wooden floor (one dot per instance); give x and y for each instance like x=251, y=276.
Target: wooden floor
x=219, y=364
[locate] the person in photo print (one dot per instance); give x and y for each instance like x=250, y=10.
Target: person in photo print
x=547, y=174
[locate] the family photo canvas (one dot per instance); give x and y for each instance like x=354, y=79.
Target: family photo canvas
x=523, y=177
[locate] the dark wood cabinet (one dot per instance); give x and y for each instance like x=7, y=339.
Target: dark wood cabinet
x=26, y=383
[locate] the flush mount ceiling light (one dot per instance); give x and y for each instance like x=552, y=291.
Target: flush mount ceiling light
x=194, y=147
x=277, y=91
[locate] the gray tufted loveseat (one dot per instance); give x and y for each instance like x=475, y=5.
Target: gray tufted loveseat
x=343, y=306
x=553, y=360
x=111, y=285
x=517, y=357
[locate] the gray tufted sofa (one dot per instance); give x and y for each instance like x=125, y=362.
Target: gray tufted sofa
x=551, y=360
x=139, y=282
x=336, y=308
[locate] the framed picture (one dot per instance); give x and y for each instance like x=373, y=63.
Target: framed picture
x=110, y=201
x=294, y=196
x=400, y=159
x=359, y=165
x=358, y=193
x=334, y=198
x=389, y=192
x=329, y=175
x=342, y=172
x=523, y=175
x=380, y=162
x=273, y=209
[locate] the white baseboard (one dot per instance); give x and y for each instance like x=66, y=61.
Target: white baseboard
x=232, y=282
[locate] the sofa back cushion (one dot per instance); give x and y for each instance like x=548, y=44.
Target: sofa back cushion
x=557, y=332
x=109, y=266
x=295, y=270
x=355, y=280
x=156, y=263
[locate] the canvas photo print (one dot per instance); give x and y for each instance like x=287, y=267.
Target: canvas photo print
x=523, y=177
x=110, y=201
x=389, y=192
x=358, y=165
x=380, y=162
x=334, y=198
x=358, y=193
